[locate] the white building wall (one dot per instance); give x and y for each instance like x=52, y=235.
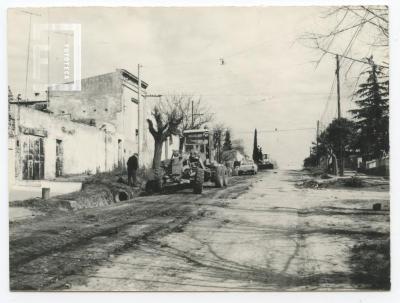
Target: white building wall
x=130, y=125
x=11, y=161
x=129, y=122
x=86, y=148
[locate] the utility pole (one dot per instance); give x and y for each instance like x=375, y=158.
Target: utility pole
x=140, y=131
x=341, y=160
x=192, y=113
x=317, y=141
x=338, y=85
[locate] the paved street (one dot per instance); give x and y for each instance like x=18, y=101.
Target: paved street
x=261, y=233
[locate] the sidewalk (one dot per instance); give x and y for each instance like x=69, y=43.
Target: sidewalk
x=33, y=189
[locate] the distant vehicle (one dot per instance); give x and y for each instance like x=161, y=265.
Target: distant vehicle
x=265, y=163
x=247, y=167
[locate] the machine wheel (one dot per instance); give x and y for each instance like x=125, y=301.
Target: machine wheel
x=219, y=177
x=159, y=184
x=198, y=182
x=150, y=186
x=158, y=180
x=226, y=176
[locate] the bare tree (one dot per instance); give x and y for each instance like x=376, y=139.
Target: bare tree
x=194, y=113
x=350, y=23
x=168, y=118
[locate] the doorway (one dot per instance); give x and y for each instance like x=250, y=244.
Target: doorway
x=32, y=158
x=59, y=158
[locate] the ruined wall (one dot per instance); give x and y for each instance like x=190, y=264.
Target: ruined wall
x=85, y=148
x=99, y=99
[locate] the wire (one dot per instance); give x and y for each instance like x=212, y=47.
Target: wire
x=277, y=130
x=328, y=99
x=238, y=53
x=238, y=95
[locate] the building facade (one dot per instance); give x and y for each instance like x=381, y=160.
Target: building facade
x=46, y=146
x=108, y=100
x=88, y=131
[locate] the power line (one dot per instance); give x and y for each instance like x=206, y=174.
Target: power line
x=295, y=94
x=328, y=99
x=276, y=130
x=238, y=53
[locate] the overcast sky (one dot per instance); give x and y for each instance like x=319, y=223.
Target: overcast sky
x=268, y=80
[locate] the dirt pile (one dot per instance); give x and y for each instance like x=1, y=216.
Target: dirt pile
x=97, y=191
x=312, y=183
x=328, y=181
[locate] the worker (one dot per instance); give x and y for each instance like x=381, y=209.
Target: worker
x=133, y=166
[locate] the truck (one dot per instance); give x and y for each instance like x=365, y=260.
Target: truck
x=193, y=165
x=265, y=163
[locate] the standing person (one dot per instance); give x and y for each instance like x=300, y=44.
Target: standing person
x=132, y=165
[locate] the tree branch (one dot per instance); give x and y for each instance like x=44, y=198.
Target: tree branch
x=151, y=128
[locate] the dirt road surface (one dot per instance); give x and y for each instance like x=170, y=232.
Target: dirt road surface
x=261, y=233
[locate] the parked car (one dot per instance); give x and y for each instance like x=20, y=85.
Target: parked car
x=247, y=167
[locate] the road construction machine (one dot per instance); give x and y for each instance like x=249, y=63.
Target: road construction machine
x=192, y=166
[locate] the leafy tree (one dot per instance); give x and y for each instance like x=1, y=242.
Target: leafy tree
x=339, y=132
x=218, y=138
x=260, y=154
x=227, y=141
x=168, y=118
x=255, y=147
x=311, y=161
x=10, y=95
x=372, y=116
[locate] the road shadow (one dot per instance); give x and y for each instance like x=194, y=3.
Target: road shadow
x=370, y=264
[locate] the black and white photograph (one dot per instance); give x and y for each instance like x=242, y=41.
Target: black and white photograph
x=199, y=148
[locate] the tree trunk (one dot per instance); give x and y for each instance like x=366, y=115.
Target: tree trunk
x=335, y=164
x=158, y=145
